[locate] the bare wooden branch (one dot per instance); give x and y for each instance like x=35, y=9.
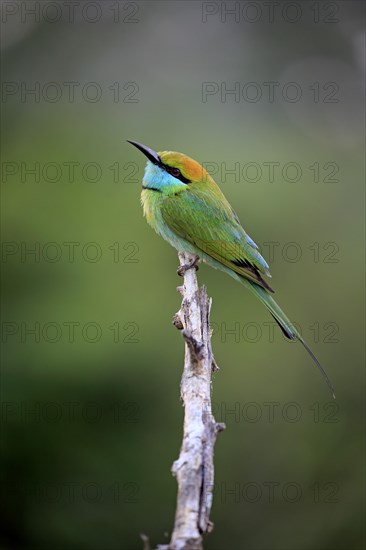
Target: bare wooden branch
x=194, y=468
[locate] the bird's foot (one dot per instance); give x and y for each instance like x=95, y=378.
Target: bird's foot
x=183, y=268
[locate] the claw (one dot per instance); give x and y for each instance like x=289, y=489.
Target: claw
x=183, y=268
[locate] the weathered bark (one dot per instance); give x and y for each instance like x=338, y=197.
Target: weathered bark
x=194, y=468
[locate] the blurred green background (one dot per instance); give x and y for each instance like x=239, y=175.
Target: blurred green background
x=90, y=399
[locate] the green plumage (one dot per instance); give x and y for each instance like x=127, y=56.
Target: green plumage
x=202, y=219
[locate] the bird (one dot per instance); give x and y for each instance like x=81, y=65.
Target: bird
x=185, y=206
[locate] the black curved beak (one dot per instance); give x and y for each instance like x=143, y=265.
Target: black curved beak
x=149, y=153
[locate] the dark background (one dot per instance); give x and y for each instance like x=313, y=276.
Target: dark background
x=90, y=400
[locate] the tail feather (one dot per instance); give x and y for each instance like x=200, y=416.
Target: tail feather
x=285, y=324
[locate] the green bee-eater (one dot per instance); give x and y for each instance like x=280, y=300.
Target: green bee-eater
x=184, y=205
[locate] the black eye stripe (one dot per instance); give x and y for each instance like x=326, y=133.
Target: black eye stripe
x=171, y=170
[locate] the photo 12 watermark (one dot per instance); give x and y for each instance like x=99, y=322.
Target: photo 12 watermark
x=273, y=171
x=275, y=492
x=252, y=332
x=270, y=12
x=69, y=332
x=53, y=252
x=69, y=11
x=69, y=92
x=273, y=412
x=270, y=92
x=69, y=171
x=291, y=252
x=70, y=412
x=74, y=492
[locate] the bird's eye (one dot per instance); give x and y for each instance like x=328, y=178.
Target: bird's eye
x=175, y=172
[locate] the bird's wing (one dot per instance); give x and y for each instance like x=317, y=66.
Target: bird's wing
x=212, y=226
